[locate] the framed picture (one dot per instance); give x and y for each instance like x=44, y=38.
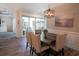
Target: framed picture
x=64, y=21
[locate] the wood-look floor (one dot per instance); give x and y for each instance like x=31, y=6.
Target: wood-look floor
x=13, y=47
x=17, y=47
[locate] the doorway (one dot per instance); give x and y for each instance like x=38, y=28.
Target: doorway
x=30, y=24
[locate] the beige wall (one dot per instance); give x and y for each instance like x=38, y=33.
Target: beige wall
x=68, y=10
x=10, y=24
x=18, y=24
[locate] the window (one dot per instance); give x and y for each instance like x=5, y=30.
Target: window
x=43, y=23
x=40, y=23
x=34, y=23
x=25, y=23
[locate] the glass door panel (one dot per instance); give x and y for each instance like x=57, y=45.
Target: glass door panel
x=32, y=24
x=42, y=22
x=25, y=23
x=38, y=23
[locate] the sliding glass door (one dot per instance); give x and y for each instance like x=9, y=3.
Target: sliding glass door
x=40, y=23
x=25, y=24
x=32, y=23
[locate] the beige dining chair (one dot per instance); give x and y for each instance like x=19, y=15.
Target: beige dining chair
x=36, y=44
x=28, y=40
x=58, y=48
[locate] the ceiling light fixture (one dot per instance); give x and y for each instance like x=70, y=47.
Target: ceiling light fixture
x=49, y=12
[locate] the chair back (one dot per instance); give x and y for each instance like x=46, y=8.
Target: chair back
x=36, y=42
x=60, y=41
x=28, y=37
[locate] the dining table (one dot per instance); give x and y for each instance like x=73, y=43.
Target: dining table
x=50, y=38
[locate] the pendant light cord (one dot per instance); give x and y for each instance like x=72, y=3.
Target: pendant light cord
x=49, y=4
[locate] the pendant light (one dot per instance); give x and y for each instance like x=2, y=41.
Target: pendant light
x=49, y=12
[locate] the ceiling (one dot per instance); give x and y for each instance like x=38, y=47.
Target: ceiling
x=29, y=8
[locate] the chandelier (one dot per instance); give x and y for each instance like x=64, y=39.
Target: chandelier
x=49, y=12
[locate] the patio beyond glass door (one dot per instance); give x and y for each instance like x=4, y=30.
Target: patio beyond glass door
x=32, y=24
x=25, y=24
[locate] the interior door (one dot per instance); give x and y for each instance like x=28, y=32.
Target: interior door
x=9, y=25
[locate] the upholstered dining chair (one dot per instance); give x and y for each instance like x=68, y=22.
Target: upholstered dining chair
x=28, y=40
x=58, y=48
x=36, y=44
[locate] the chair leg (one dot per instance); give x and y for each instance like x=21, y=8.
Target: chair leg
x=30, y=51
x=56, y=53
x=39, y=54
x=62, y=51
x=27, y=45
